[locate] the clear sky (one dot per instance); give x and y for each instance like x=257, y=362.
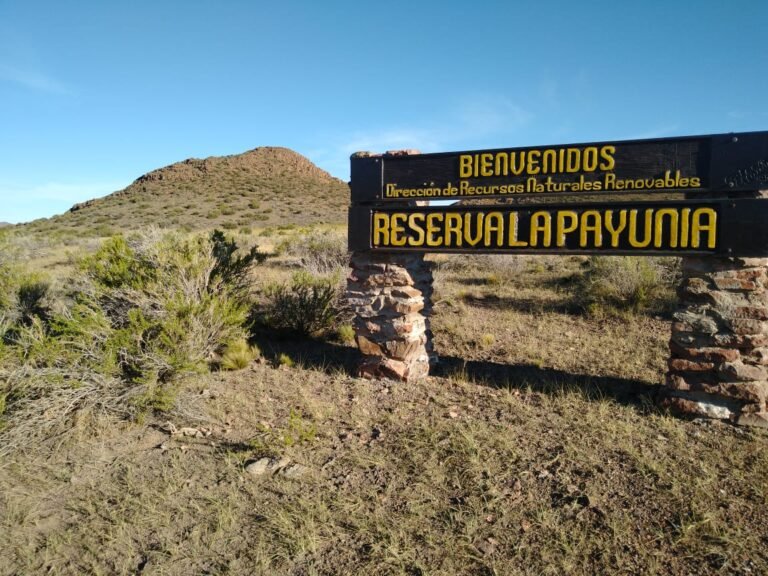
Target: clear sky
x=94, y=94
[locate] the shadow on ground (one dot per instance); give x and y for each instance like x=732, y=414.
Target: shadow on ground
x=526, y=305
x=307, y=352
x=334, y=358
x=547, y=380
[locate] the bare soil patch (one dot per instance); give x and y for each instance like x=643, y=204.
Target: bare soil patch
x=534, y=449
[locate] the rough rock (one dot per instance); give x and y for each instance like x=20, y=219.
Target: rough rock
x=718, y=365
x=259, y=467
x=293, y=471
x=265, y=466
x=390, y=296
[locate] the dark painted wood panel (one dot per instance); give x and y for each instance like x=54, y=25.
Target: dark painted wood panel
x=687, y=227
x=694, y=164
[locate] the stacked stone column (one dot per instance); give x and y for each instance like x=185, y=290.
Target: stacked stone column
x=718, y=364
x=391, y=297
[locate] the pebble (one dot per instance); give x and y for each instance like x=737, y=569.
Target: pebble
x=259, y=467
x=275, y=466
x=293, y=471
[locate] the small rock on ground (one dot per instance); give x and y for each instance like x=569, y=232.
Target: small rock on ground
x=273, y=466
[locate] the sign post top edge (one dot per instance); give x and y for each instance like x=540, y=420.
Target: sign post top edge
x=735, y=161
x=404, y=155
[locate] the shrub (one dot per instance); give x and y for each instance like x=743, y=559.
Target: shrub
x=321, y=253
x=308, y=305
x=487, y=340
x=345, y=333
x=497, y=269
x=32, y=300
x=626, y=283
x=231, y=268
x=139, y=313
x=89, y=337
x=7, y=271
x=6, y=288
x=182, y=302
x=238, y=354
x=115, y=265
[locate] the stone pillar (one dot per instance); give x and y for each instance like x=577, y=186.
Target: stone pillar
x=718, y=365
x=390, y=295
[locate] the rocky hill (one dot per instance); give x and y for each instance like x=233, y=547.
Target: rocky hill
x=266, y=186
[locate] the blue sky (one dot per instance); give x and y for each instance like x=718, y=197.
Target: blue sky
x=94, y=94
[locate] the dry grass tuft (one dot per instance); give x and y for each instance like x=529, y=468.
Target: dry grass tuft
x=238, y=355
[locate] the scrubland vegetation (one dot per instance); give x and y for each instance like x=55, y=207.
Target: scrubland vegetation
x=142, y=376
x=263, y=187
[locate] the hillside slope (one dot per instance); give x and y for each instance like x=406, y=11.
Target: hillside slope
x=262, y=187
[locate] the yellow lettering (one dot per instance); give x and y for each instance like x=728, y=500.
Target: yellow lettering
x=697, y=227
x=533, y=161
x=633, y=241
x=380, y=229
x=606, y=153
x=501, y=166
x=590, y=159
x=658, y=233
x=549, y=162
x=433, y=229
x=596, y=228
x=494, y=223
x=514, y=167
x=615, y=231
x=573, y=160
x=684, y=227
x=397, y=232
x=541, y=222
x=465, y=166
x=472, y=241
x=562, y=228
x=452, y=227
x=418, y=240
x=486, y=165
x=513, y=241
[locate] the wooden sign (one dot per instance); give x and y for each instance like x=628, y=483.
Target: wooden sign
x=717, y=227
x=717, y=163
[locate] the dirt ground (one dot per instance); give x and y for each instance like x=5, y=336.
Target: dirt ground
x=535, y=448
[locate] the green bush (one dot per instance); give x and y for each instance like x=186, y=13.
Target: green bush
x=238, y=354
x=135, y=317
x=115, y=265
x=25, y=313
x=345, y=333
x=231, y=268
x=91, y=342
x=7, y=271
x=31, y=300
x=307, y=305
x=175, y=302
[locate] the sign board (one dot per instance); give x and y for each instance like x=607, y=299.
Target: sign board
x=716, y=163
x=686, y=227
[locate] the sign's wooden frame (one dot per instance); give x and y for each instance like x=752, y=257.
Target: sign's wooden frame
x=708, y=169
